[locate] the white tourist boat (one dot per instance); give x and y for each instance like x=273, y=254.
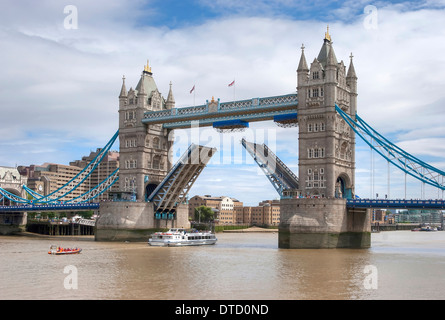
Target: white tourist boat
x=181, y=237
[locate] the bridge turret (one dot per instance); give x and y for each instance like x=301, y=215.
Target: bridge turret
x=123, y=99
x=351, y=82
x=302, y=74
x=170, y=103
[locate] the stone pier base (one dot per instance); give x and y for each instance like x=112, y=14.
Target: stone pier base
x=133, y=221
x=322, y=223
x=12, y=223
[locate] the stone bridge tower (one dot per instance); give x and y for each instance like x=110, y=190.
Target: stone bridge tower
x=145, y=158
x=321, y=219
x=326, y=142
x=145, y=151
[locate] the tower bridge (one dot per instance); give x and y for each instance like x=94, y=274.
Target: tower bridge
x=319, y=207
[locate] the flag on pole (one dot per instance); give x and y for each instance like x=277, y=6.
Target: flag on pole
x=232, y=83
x=192, y=89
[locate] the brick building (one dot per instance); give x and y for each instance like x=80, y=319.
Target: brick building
x=232, y=211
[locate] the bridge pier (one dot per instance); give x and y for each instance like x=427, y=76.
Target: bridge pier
x=322, y=223
x=134, y=221
x=12, y=223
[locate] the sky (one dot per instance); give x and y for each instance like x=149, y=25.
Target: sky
x=62, y=65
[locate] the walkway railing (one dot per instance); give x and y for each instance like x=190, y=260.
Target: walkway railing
x=255, y=109
x=51, y=207
x=396, y=204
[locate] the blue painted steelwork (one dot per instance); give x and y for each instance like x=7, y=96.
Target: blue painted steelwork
x=395, y=204
x=34, y=194
x=395, y=155
x=97, y=190
x=12, y=197
x=91, y=167
x=174, y=187
x=67, y=188
x=172, y=171
x=285, y=117
x=205, y=122
x=256, y=109
x=230, y=124
x=51, y=207
x=281, y=177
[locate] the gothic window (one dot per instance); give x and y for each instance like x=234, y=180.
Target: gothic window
x=315, y=179
x=130, y=164
x=310, y=153
x=321, y=92
x=130, y=143
x=316, y=127
x=316, y=153
x=315, y=92
x=309, y=127
x=129, y=115
x=315, y=75
x=156, y=143
x=322, y=126
x=156, y=162
x=316, y=175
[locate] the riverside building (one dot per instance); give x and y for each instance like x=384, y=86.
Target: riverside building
x=231, y=211
x=109, y=163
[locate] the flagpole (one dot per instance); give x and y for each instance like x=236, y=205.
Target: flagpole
x=234, y=86
x=194, y=95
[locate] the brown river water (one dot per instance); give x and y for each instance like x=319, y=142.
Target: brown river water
x=249, y=266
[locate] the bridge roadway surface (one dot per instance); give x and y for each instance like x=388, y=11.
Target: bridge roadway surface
x=350, y=203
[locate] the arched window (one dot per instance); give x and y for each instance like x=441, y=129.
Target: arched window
x=156, y=143
x=156, y=162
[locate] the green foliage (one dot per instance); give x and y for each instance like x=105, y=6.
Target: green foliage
x=230, y=227
x=204, y=214
x=86, y=214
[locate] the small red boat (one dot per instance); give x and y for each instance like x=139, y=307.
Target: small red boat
x=59, y=250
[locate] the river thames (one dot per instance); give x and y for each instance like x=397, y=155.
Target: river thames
x=241, y=266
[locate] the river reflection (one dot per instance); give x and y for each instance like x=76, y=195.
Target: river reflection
x=407, y=265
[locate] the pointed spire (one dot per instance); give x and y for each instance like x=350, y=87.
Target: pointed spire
x=123, y=89
x=170, y=103
x=326, y=55
x=351, y=70
x=302, y=66
x=332, y=59
x=142, y=86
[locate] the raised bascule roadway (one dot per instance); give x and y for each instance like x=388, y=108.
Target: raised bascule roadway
x=319, y=207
